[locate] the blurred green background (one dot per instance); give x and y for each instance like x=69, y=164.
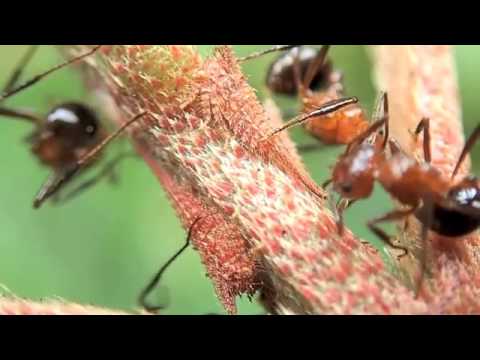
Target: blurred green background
x=103, y=246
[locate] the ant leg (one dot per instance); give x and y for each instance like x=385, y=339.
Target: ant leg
x=57, y=180
x=265, y=52
x=308, y=148
x=106, y=171
x=142, y=299
x=17, y=72
x=316, y=64
x=424, y=125
x=381, y=107
x=297, y=72
x=466, y=149
x=390, y=216
x=40, y=76
x=381, y=110
x=327, y=183
x=323, y=110
x=429, y=209
x=21, y=114
x=386, y=113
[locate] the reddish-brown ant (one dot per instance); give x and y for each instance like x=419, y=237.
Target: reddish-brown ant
x=307, y=72
x=446, y=208
x=68, y=139
x=340, y=119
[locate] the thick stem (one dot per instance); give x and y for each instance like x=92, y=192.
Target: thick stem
x=203, y=141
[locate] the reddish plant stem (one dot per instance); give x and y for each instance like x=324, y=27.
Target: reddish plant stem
x=203, y=141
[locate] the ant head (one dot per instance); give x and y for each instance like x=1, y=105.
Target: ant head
x=466, y=193
x=281, y=74
x=353, y=174
x=74, y=124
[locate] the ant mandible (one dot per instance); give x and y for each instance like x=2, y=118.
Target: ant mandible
x=68, y=139
x=309, y=74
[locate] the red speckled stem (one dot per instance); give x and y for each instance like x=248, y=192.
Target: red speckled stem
x=202, y=139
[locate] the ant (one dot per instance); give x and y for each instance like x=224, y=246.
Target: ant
x=68, y=138
x=442, y=206
x=308, y=73
x=334, y=110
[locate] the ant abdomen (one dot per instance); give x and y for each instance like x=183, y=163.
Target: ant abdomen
x=281, y=74
x=449, y=222
x=459, y=214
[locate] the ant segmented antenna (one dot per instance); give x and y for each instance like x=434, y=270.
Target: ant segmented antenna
x=323, y=110
x=40, y=76
x=276, y=48
x=424, y=125
x=56, y=181
x=466, y=149
x=142, y=299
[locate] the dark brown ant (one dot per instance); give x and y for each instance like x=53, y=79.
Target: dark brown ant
x=64, y=139
x=308, y=73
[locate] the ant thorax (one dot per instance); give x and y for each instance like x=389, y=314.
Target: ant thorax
x=410, y=182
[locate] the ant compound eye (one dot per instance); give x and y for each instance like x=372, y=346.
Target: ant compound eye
x=347, y=187
x=90, y=129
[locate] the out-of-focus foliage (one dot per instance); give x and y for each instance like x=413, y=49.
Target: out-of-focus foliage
x=103, y=246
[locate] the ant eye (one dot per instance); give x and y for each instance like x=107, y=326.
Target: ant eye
x=346, y=187
x=90, y=129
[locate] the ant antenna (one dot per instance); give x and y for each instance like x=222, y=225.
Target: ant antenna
x=17, y=72
x=40, y=76
x=323, y=110
x=265, y=52
x=381, y=110
x=424, y=125
x=142, y=300
x=56, y=181
x=467, y=148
